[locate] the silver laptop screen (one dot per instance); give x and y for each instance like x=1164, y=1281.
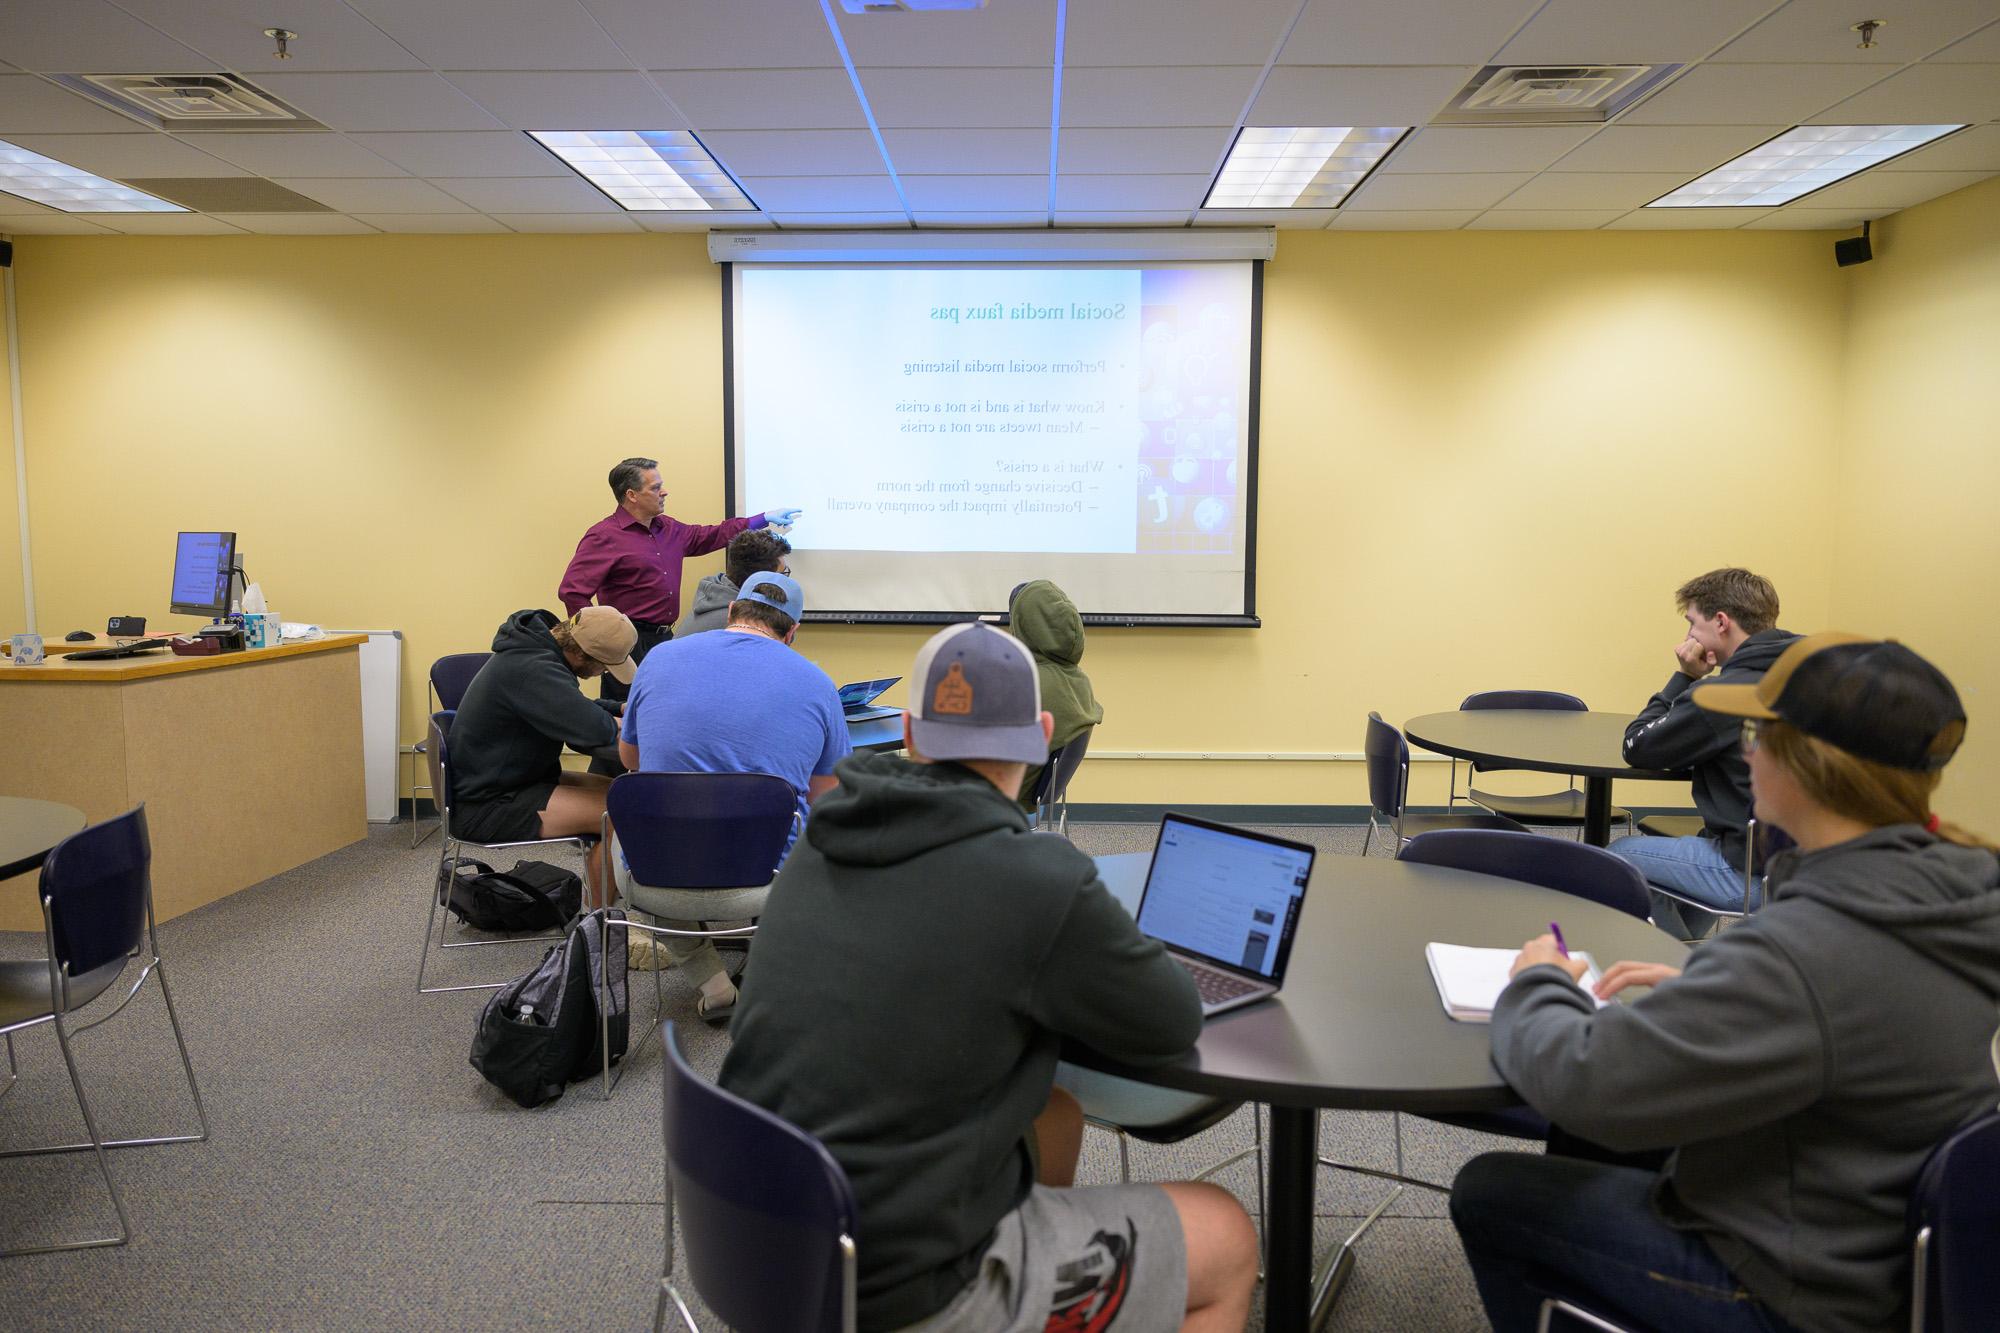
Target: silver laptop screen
x=1227, y=896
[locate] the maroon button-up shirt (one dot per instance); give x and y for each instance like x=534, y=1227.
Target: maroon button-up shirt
x=636, y=568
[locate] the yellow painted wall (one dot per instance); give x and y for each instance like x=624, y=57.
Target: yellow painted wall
x=13, y=599
x=1487, y=458
x=1918, y=548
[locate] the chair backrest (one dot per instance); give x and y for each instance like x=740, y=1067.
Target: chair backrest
x=452, y=675
x=702, y=830
x=1038, y=795
x=1388, y=759
x=1955, y=1232
x=434, y=758
x=766, y=1215
x=98, y=887
x=1551, y=700
x=1053, y=785
x=1575, y=868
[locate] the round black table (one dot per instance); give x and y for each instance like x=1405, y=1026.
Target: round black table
x=30, y=829
x=1587, y=745
x=880, y=735
x=1359, y=1025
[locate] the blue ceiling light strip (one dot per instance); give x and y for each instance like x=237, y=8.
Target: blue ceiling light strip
x=867, y=111
x=1055, y=102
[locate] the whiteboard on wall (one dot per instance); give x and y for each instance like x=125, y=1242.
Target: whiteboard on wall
x=381, y=714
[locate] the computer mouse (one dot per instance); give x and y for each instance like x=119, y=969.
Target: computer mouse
x=78, y=636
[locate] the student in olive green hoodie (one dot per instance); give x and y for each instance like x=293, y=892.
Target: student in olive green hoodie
x=1042, y=616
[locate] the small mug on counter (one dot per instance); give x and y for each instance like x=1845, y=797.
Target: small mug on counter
x=27, y=649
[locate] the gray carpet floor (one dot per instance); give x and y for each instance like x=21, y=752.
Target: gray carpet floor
x=361, y=1174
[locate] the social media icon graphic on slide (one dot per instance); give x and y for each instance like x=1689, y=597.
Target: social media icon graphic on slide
x=1212, y=514
x=1186, y=469
x=1159, y=500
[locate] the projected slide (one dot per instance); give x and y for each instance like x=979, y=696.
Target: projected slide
x=1088, y=424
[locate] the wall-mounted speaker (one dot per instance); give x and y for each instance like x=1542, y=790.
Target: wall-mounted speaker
x=1853, y=250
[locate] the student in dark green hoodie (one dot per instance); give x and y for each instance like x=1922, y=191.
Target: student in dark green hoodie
x=921, y=959
x=1043, y=617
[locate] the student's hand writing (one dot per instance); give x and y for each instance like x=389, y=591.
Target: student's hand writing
x=1695, y=661
x=1542, y=949
x=1622, y=974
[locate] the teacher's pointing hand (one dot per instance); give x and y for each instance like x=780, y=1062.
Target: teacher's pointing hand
x=781, y=518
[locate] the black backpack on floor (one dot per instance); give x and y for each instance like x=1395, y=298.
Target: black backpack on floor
x=534, y=895
x=540, y=1033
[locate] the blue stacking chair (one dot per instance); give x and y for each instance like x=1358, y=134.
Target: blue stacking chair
x=97, y=915
x=1557, y=809
x=766, y=1215
x=1388, y=760
x=451, y=677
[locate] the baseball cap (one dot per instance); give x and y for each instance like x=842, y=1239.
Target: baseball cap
x=605, y=635
x=788, y=597
x=974, y=695
x=1873, y=698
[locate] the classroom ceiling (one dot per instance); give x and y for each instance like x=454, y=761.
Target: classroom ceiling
x=1025, y=113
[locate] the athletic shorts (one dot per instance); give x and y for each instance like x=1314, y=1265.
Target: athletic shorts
x=1110, y=1258
x=515, y=817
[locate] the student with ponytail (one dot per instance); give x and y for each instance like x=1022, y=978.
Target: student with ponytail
x=1797, y=1072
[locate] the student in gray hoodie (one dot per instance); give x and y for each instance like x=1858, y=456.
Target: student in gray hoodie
x=758, y=551
x=1802, y=1066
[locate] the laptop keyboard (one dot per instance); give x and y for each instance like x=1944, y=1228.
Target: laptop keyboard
x=1213, y=986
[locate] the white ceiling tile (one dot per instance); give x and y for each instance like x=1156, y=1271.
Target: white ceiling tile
x=1629, y=31
x=1532, y=219
x=168, y=224
x=958, y=221
x=941, y=152
x=394, y=101
x=298, y=224
x=1284, y=219
x=1749, y=94
x=572, y=100
x=450, y=224
x=1891, y=189
x=1499, y=148
x=823, y=194
x=893, y=221
x=122, y=156
x=1475, y=190
x=1156, y=95
x=529, y=195
x=1594, y=189
x=1823, y=30
x=50, y=223
x=619, y=221
x=1449, y=219
x=965, y=194
x=497, y=34
x=1175, y=32
x=1403, y=32
x=1975, y=149
x=403, y=194
x=1019, y=32
x=1924, y=95
x=1815, y=219
x=764, y=99
x=982, y=98
x=1170, y=220
x=1692, y=149
x=231, y=32
x=286, y=154
x=1355, y=94
x=701, y=34
x=1983, y=47
x=90, y=37
x=1162, y=152
x=795, y=152
x=1145, y=194
x=472, y=153
x=1686, y=219
x=29, y=105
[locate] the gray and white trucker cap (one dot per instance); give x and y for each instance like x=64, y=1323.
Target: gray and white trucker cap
x=975, y=696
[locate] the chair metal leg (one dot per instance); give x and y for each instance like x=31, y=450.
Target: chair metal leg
x=103, y=1164
x=8, y=1086
x=687, y=1320
x=1368, y=838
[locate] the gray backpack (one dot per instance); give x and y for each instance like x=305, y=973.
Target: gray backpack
x=540, y=1033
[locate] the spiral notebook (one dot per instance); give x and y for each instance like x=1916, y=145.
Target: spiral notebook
x=1469, y=979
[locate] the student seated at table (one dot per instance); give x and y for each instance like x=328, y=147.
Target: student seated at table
x=1732, y=618
x=759, y=550
x=1802, y=1066
x=736, y=701
x=519, y=712
x=1042, y=616
x=922, y=958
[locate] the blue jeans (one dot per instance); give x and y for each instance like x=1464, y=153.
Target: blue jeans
x=1536, y=1226
x=1692, y=867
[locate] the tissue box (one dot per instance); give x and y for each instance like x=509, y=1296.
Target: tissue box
x=262, y=629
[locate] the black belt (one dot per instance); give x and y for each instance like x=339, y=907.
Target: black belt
x=649, y=626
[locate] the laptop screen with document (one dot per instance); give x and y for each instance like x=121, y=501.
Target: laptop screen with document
x=1225, y=894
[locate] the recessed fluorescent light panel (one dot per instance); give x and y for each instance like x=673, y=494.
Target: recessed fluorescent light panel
x=1798, y=162
x=71, y=189
x=1301, y=167
x=648, y=171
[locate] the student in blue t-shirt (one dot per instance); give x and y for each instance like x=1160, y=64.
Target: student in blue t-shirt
x=737, y=701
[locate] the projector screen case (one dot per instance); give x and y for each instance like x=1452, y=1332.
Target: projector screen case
x=953, y=430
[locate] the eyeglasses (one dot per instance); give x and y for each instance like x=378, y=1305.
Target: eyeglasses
x=1749, y=736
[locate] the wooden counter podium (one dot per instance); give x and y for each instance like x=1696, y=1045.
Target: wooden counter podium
x=249, y=763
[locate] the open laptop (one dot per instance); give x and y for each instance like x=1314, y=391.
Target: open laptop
x=855, y=699
x=1226, y=902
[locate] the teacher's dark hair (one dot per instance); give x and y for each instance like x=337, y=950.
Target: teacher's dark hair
x=630, y=475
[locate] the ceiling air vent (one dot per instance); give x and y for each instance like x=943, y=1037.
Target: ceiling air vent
x=190, y=102
x=1551, y=94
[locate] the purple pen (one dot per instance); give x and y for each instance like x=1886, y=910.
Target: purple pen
x=1562, y=945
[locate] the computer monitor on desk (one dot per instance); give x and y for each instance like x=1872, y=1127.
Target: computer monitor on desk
x=204, y=565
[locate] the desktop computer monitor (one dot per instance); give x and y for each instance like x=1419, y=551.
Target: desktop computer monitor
x=203, y=565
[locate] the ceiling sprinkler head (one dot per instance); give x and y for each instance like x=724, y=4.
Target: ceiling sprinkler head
x=281, y=36
x=1867, y=28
